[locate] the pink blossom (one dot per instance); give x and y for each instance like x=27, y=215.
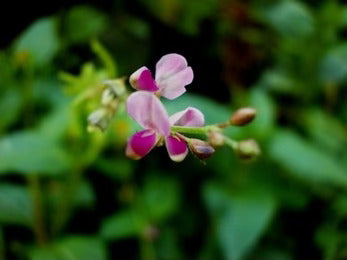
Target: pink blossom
x=171, y=77
x=147, y=110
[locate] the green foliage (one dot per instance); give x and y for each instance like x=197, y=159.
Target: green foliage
x=79, y=248
x=40, y=41
x=15, y=205
x=293, y=153
x=81, y=198
x=237, y=227
x=32, y=153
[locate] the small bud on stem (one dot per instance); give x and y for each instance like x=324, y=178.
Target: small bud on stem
x=248, y=149
x=200, y=148
x=243, y=116
x=216, y=139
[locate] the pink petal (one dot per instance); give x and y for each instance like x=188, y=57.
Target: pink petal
x=174, y=86
x=188, y=117
x=142, y=80
x=140, y=144
x=169, y=65
x=172, y=75
x=147, y=110
x=177, y=148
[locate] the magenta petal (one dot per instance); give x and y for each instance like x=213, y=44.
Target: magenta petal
x=140, y=144
x=188, y=117
x=142, y=80
x=174, y=86
x=147, y=110
x=177, y=148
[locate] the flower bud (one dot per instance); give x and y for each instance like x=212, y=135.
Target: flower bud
x=100, y=118
x=216, y=139
x=200, y=148
x=116, y=86
x=248, y=149
x=243, y=116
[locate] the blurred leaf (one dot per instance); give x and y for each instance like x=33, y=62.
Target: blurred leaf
x=10, y=104
x=30, y=152
x=160, y=198
x=343, y=19
x=55, y=125
x=84, y=196
x=83, y=23
x=333, y=68
x=184, y=15
x=72, y=248
x=263, y=125
x=123, y=224
x=328, y=239
x=304, y=161
x=119, y=169
x=40, y=40
x=290, y=18
x=241, y=217
x=277, y=80
x=15, y=205
x=325, y=130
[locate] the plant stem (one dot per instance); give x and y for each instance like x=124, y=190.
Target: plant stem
x=39, y=227
x=194, y=130
x=147, y=250
x=232, y=143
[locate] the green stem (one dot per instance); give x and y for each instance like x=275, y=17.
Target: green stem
x=147, y=250
x=194, y=130
x=39, y=226
x=232, y=143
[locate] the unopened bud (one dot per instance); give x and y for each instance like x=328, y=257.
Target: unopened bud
x=216, y=139
x=248, y=149
x=116, y=86
x=100, y=118
x=200, y=148
x=243, y=116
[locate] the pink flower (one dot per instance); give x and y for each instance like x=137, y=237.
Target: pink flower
x=147, y=110
x=171, y=77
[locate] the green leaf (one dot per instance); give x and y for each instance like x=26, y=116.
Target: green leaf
x=10, y=104
x=31, y=152
x=40, y=40
x=72, y=248
x=119, y=169
x=289, y=18
x=304, y=161
x=124, y=224
x=240, y=216
x=160, y=198
x=15, y=205
x=83, y=23
x=333, y=68
x=325, y=130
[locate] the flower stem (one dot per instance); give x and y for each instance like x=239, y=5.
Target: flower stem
x=194, y=130
x=39, y=226
x=230, y=142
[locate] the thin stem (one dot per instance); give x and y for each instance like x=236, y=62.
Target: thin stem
x=39, y=227
x=147, y=250
x=194, y=130
x=232, y=143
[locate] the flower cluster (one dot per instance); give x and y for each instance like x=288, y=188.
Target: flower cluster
x=172, y=76
x=144, y=106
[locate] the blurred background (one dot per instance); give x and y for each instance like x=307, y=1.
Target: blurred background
x=68, y=194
